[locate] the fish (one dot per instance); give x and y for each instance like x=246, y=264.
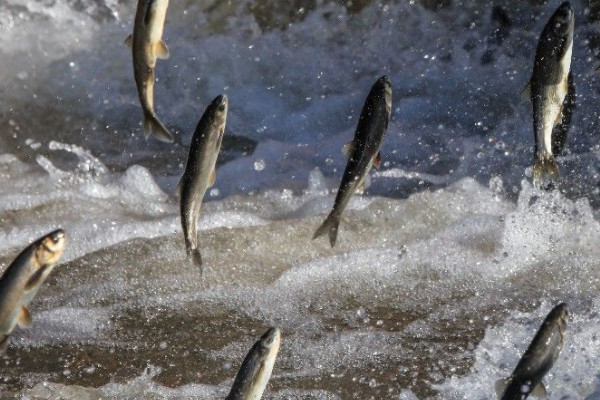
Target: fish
x=255, y=372
x=22, y=279
x=539, y=357
x=199, y=172
x=363, y=152
x=146, y=47
x=548, y=88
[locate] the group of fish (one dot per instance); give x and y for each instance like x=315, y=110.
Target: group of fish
x=24, y=276
x=551, y=91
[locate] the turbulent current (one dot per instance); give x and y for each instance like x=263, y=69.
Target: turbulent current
x=443, y=270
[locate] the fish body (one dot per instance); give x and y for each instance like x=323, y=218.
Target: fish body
x=146, y=47
x=22, y=279
x=549, y=86
x=255, y=372
x=362, y=152
x=560, y=131
x=539, y=357
x=199, y=172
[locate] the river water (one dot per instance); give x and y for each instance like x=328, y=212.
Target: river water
x=443, y=270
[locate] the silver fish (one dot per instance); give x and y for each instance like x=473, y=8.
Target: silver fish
x=199, y=172
x=362, y=152
x=22, y=280
x=539, y=357
x=255, y=372
x=146, y=46
x=548, y=88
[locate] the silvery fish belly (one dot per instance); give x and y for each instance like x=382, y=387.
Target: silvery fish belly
x=147, y=46
x=22, y=280
x=539, y=357
x=255, y=372
x=199, y=172
x=549, y=86
x=363, y=152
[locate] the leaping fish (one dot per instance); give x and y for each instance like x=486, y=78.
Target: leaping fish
x=362, y=152
x=539, y=357
x=255, y=372
x=548, y=88
x=22, y=280
x=199, y=172
x=146, y=46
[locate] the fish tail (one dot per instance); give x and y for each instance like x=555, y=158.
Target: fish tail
x=545, y=171
x=329, y=226
x=153, y=125
x=195, y=256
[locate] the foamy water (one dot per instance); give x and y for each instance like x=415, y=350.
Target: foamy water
x=442, y=273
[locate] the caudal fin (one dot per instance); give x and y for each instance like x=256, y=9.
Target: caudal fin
x=330, y=226
x=153, y=125
x=545, y=172
x=195, y=256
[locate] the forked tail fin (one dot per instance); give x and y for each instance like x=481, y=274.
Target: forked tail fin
x=545, y=171
x=330, y=226
x=153, y=125
x=195, y=256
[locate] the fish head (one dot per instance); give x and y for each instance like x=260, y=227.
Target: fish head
x=269, y=342
x=387, y=90
x=218, y=111
x=51, y=247
x=560, y=314
x=563, y=20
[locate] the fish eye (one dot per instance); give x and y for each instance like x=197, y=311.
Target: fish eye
x=222, y=108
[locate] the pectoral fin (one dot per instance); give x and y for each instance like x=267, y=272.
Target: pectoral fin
x=500, y=386
x=539, y=391
x=526, y=92
x=377, y=161
x=360, y=189
x=25, y=319
x=161, y=50
x=348, y=149
x=129, y=41
x=212, y=177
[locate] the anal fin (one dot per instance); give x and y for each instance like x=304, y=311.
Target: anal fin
x=377, y=161
x=500, y=386
x=3, y=344
x=129, y=40
x=179, y=187
x=526, y=92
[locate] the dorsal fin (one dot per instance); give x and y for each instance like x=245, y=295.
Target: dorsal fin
x=129, y=40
